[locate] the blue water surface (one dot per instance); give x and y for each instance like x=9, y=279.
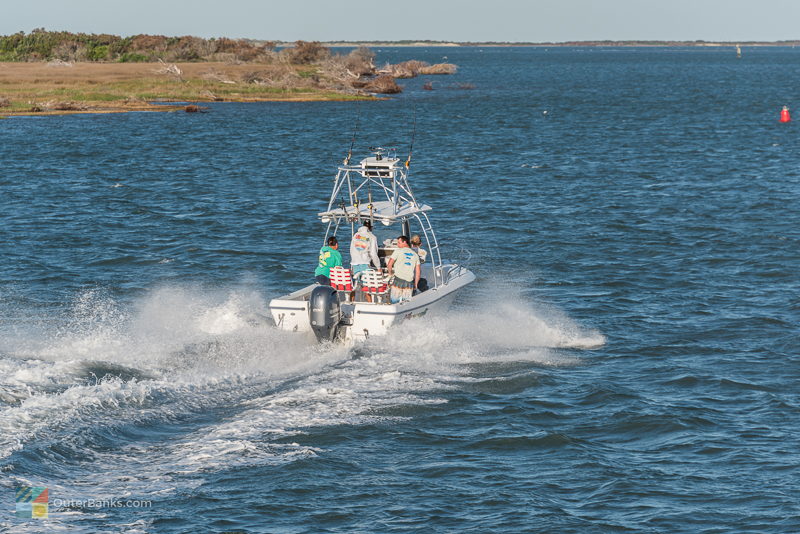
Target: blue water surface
x=628, y=360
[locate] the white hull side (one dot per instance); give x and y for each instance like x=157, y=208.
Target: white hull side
x=290, y=312
x=375, y=320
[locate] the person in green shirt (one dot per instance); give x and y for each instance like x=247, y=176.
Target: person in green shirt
x=329, y=256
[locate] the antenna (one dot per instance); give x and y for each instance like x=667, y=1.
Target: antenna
x=353, y=140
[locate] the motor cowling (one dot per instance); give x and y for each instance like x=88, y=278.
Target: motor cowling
x=324, y=312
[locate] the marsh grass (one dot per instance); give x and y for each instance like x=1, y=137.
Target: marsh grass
x=109, y=87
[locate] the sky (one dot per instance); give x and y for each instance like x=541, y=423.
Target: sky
x=441, y=20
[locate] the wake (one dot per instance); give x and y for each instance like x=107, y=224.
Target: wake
x=211, y=362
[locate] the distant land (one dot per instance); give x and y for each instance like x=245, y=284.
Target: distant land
x=57, y=73
x=418, y=43
x=51, y=72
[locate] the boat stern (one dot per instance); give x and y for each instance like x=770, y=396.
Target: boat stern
x=290, y=312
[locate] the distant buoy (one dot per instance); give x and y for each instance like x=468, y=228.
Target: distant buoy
x=785, y=116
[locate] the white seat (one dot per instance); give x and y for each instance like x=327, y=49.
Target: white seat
x=374, y=282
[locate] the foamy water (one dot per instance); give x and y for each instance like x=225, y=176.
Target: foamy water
x=226, y=388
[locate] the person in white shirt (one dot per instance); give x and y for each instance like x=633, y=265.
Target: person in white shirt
x=364, y=250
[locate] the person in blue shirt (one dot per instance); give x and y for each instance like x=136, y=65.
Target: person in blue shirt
x=404, y=267
x=329, y=256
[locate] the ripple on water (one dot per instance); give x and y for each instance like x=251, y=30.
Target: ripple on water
x=626, y=361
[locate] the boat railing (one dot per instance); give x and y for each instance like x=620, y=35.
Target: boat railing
x=460, y=265
x=357, y=168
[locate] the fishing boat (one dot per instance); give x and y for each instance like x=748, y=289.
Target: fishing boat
x=353, y=310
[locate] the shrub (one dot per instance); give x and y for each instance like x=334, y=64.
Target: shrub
x=71, y=51
x=305, y=52
x=148, y=44
x=361, y=61
x=104, y=39
x=406, y=69
x=98, y=53
x=439, y=68
x=241, y=49
x=133, y=57
x=187, y=48
x=120, y=47
x=383, y=84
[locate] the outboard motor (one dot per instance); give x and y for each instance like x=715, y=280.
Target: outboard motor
x=324, y=313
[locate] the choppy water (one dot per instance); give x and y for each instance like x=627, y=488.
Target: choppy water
x=628, y=360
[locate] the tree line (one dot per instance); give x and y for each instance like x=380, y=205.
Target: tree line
x=43, y=45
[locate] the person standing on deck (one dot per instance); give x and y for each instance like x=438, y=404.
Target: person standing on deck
x=364, y=250
x=329, y=256
x=416, y=246
x=404, y=264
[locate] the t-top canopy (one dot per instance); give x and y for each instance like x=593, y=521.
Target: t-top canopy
x=382, y=211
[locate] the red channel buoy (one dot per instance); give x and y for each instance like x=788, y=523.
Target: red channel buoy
x=785, y=117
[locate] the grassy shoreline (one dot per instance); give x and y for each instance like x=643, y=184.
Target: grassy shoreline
x=91, y=87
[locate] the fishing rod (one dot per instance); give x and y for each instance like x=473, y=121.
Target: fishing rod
x=353, y=140
x=353, y=195
x=369, y=197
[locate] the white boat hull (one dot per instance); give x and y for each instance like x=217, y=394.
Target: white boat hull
x=365, y=319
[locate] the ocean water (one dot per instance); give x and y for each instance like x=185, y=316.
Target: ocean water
x=627, y=361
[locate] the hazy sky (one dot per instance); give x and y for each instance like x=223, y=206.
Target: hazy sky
x=471, y=20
